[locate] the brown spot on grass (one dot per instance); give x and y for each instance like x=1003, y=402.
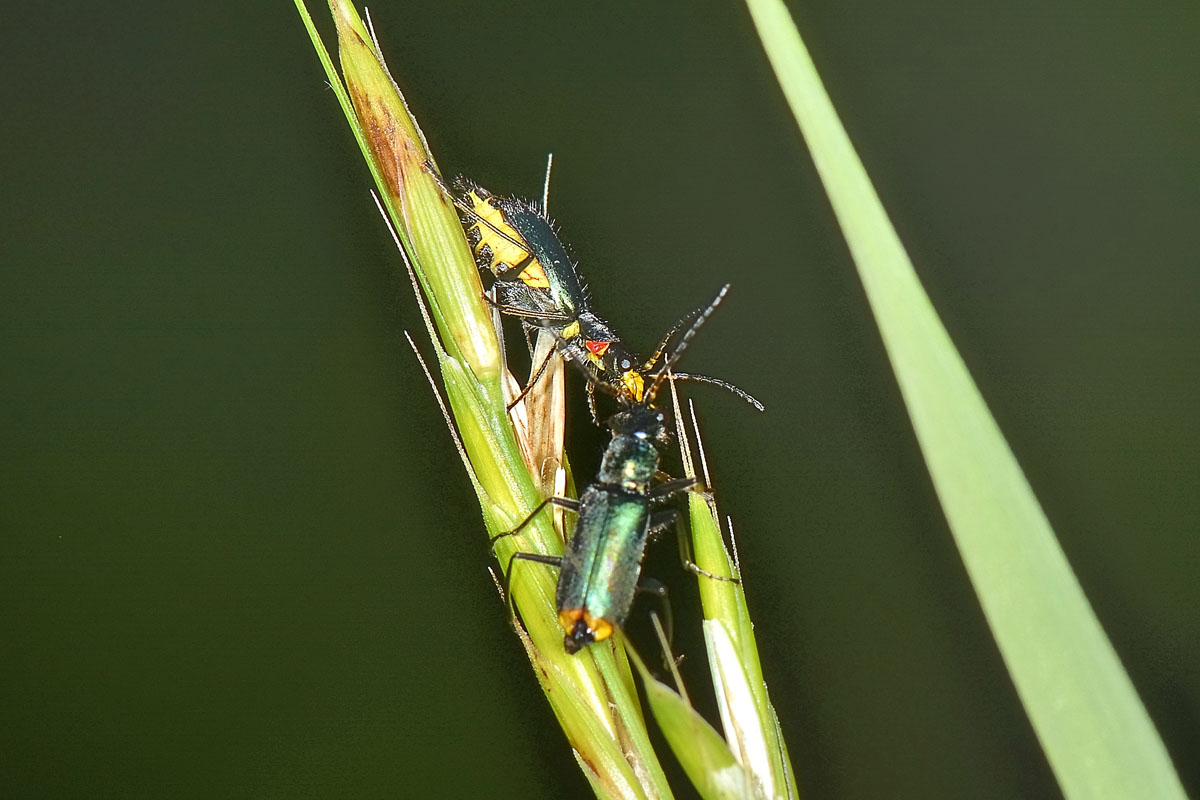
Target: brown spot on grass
x=381, y=131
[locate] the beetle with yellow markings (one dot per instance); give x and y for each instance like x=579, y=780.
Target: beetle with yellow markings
x=536, y=281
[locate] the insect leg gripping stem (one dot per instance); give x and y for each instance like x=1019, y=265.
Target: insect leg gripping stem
x=562, y=502
x=535, y=558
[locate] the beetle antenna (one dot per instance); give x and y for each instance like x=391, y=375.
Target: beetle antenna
x=684, y=340
x=726, y=385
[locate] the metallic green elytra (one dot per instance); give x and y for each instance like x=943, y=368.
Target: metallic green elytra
x=616, y=515
x=604, y=557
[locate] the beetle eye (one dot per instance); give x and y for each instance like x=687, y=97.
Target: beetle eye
x=626, y=364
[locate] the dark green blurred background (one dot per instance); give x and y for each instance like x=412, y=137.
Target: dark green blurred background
x=239, y=557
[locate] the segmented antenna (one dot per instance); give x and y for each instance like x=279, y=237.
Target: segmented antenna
x=692, y=376
x=726, y=385
x=661, y=347
x=661, y=375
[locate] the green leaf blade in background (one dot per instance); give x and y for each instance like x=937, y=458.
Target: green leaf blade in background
x=1092, y=725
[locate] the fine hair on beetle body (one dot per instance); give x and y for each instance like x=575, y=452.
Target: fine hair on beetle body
x=537, y=282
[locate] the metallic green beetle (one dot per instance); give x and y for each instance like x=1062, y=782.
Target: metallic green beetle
x=616, y=515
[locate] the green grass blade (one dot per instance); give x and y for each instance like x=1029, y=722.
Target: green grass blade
x=747, y=716
x=703, y=754
x=591, y=693
x=1091, y=723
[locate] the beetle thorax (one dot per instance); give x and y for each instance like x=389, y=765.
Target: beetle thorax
x=629, y=462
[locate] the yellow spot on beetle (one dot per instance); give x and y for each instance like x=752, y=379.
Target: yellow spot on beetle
x=534, y=276
x=600, y=629
x=596, y=351
x=504, y=251
x=633, y=385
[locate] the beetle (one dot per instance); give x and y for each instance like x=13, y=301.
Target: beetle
x=537, y=281
x=616, y=514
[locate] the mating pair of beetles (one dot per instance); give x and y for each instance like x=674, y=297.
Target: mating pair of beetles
x=536, y=281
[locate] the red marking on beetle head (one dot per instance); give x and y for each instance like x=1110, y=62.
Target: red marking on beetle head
x=597, y=348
